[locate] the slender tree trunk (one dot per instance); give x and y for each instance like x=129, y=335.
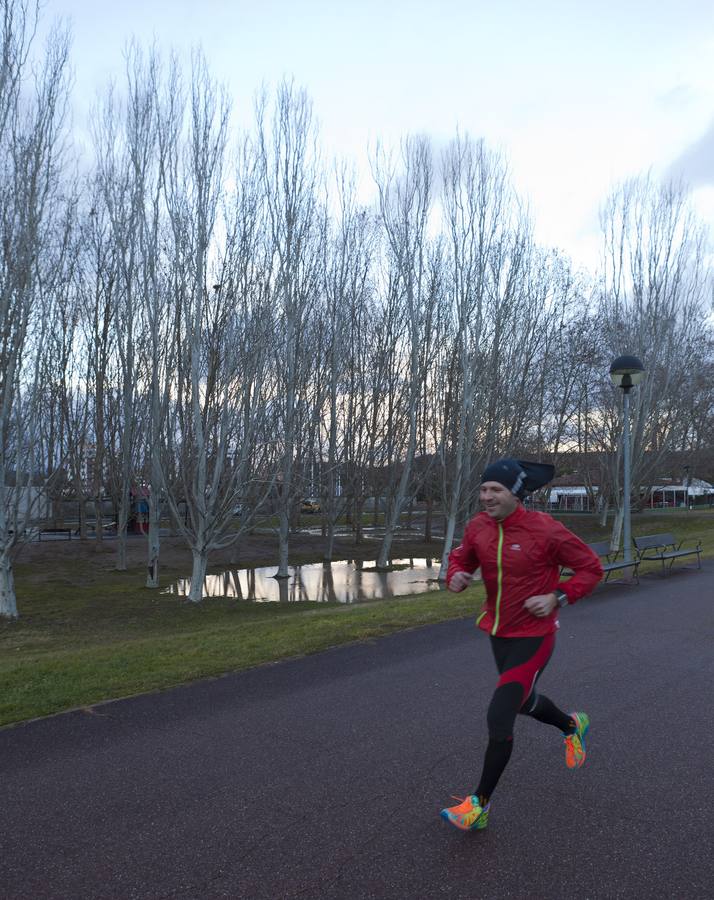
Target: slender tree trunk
x=603, y=514
x=283, y=547
x=8, y=599
x=357, y=524
x=330, y=546
x=99, y=520
x=617, y=529
x=198, y=574
x=428, y=519
x=448, y=543
x=122, y=522
x=82, y=504
x=154, y=546
x=331, y=505
x=152, y=576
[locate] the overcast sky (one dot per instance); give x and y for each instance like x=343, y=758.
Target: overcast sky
x=579, y=96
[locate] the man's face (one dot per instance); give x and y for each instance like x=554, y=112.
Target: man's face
x=497, y=500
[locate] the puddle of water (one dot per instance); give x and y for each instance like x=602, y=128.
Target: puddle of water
x=369, y=532
x=338, y=582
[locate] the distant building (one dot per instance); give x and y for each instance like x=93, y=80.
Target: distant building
x=671, y=494
x=569, y=494
x=571, y=499
x=32, y=501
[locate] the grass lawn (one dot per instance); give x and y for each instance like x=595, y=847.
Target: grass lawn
x=87, y=634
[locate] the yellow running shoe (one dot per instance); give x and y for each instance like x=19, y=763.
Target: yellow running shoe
x=468, y=815
x=575, y=743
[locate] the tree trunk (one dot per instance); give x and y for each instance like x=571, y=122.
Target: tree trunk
x=617, y=529
x=235, y=549
x=385, y=549
x=83, y=518
x=8, y=600
x=283, y=534
x=198, y=575
x=603, y=514
x=357, y=524
x=152, y=577
x=428, y=519
x=122, y=520
x=330, y=546
x=99, y=521
x=448, y=541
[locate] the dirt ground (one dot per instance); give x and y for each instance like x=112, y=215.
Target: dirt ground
x=257, y=549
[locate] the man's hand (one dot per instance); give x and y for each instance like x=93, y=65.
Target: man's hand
x=459, y=581
x=541, y=605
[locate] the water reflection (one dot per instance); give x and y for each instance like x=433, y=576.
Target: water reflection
x=346, y=581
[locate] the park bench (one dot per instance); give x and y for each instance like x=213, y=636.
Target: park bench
x=663, y=547
x=610, y=562
x=67, y=532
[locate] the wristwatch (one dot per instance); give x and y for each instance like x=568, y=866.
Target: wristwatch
x=561, y=598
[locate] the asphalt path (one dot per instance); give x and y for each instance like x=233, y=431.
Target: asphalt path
x=322, y=777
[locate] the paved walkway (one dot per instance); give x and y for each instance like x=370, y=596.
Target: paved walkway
x=323, y=777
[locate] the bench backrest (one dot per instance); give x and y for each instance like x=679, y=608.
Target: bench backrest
x=602, y=548
x=650, y=541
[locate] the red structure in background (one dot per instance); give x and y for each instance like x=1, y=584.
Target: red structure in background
x=139, y=514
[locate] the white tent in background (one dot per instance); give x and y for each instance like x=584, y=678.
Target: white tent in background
x=570, y=498
x=681, y=494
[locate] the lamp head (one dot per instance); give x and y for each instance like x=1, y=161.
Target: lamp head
x=626, y=372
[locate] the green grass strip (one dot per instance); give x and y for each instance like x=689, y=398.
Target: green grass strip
x=87, y=633
x=46, y=682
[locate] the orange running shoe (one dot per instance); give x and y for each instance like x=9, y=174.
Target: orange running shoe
x=468, y=815
x=575, y=743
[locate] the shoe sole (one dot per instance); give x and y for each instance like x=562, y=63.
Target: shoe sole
x=478, y=825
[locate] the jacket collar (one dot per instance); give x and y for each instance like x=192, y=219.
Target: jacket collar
x=518, y=514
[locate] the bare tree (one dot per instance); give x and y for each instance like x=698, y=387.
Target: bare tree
x=218, y=385
x=31, y=206
x=656, y=284
x=123, y=139
x=161, y=104
x=63, y=376
x=95, y=285
x=363, y=359
x=289, y=173
x=476, y=199
x=404, y=204
x=346, y=272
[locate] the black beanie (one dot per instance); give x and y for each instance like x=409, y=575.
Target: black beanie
x=519, y=476
x=506, y=472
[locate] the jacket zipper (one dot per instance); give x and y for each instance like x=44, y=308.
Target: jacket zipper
x=499, y=563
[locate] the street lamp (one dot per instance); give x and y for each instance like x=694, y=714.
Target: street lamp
x=686, y=487
x=626, y=372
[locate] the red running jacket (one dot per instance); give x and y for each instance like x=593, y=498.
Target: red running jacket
x=519, y=558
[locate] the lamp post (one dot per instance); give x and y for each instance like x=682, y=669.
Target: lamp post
x=686, y=487
x=626, y=372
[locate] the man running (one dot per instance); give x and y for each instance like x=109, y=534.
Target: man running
x=520, y=553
